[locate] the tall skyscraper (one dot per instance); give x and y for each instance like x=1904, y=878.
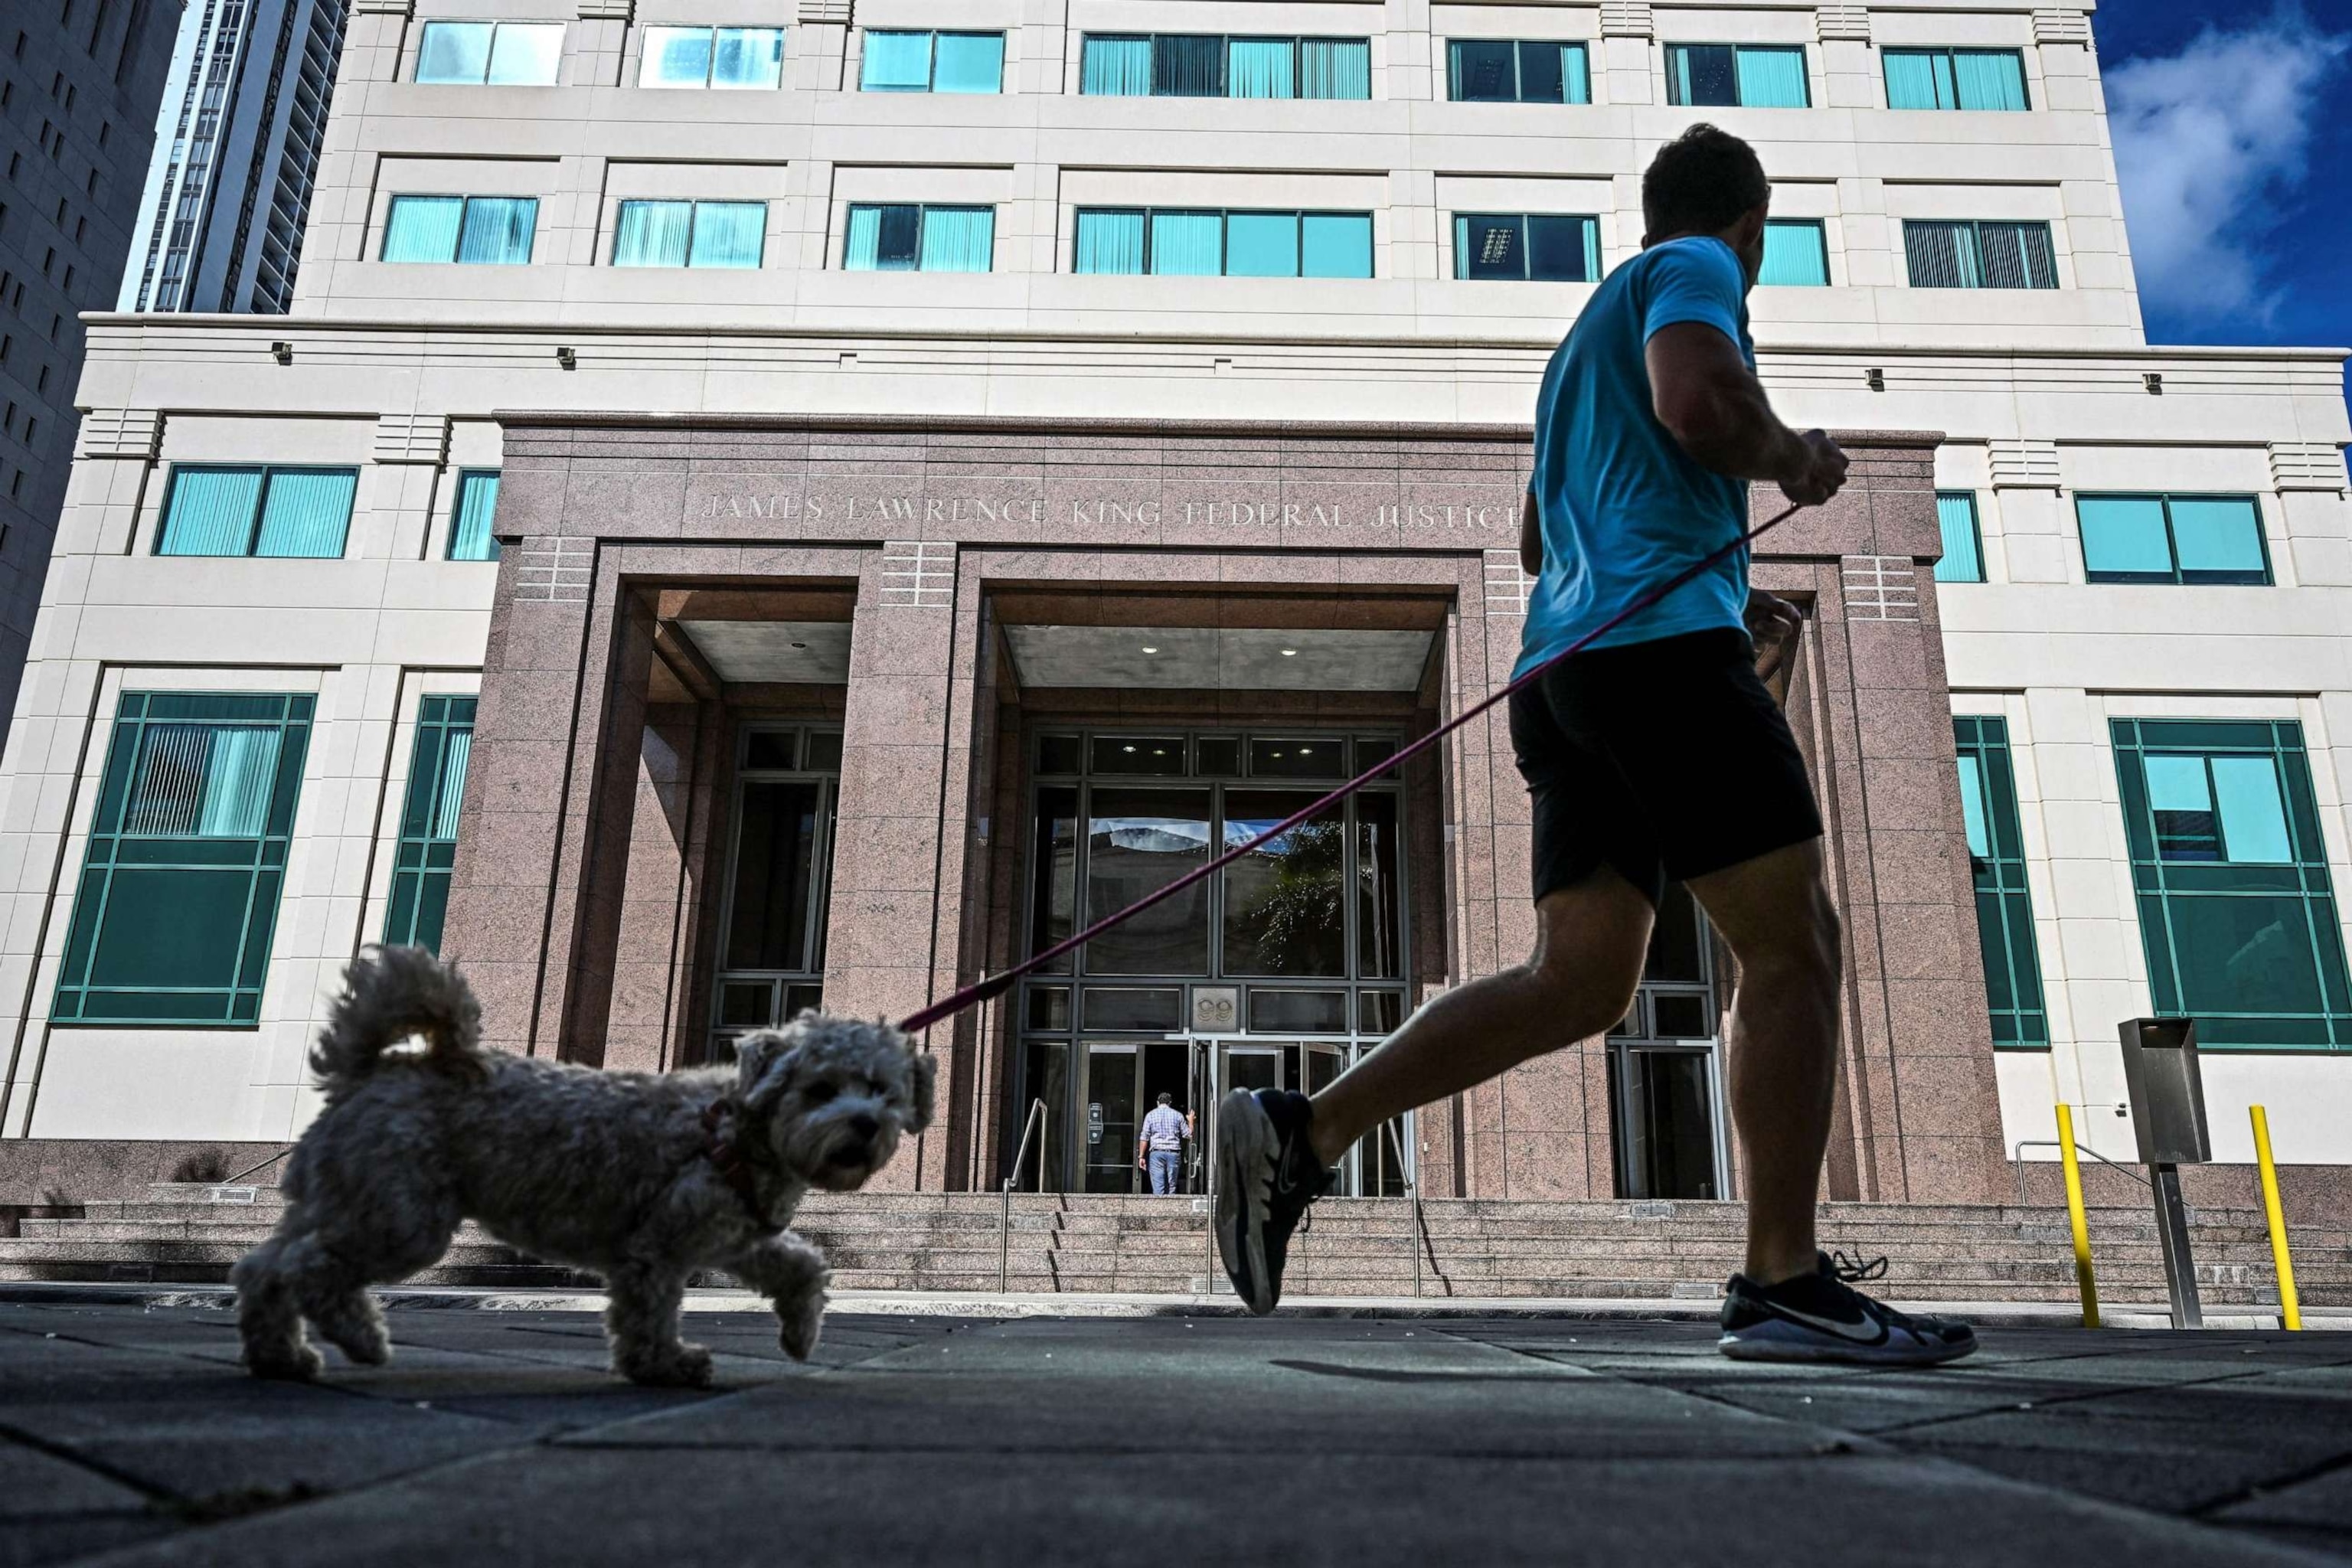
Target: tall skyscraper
x=78, y=83
x=235, y=157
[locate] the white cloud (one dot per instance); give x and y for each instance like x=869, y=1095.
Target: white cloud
x=2210, y=144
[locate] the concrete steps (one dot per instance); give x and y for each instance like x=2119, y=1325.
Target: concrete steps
x=1357, y=1246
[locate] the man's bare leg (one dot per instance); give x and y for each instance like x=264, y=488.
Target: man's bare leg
x=1589, y=943
x=1775, y=914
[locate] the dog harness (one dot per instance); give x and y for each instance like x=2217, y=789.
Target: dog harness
x=733, y=1165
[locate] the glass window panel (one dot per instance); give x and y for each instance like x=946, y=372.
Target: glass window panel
x=1334, y=68
x=1058, y=754
x=1681, y=1015
x=676, y=57
x=1049, y=1007
x=2245, y=953
x=203, y=781
x=1962, y=562
x=896, y=62
x=1284, y=913
x=1261, y=67
x=1156, y=1008
x=747, y=1004
x=306, y=513
x=1702, y=76
x=1116, y=67
x=1187, y=245
x=211, y=512
x=1489, y=246
x=1796, y=256
x=883, y=239
x=748, y=57
x=454, y=52
x=498, y=230
x=1298, y=1011
x=776, y=831
x=1188, y=65
x=1380, y=888
x=771, y=750
x=1261, y=245
x=1562, y=249
x=1972, y=811
x=1772, y=79
x=652, y=234
x=1483, y=72
x=1677, y=954
x=1221, y=756
x=1379, y=1012
x=1941, y=254
x=173, y=929
x=449, y=795
x=728, y=233
x=2180, y=802
x=1911, y=79
x=824, y=754
x=423, y=229
x=527, y=54
x=2124, y=538
x=2016, y=256
x=2220, y=538
x=1308, y=757
x=1989, y=78
x=2253, y=816
x=1109, y=242
x=1160, y=756
x=1138, y=841
x=470, y=529
x=861, y=248
x=1336, y=245
x=969, y=62
x=1054, y=852
x=957, y=240
x=1542, y=72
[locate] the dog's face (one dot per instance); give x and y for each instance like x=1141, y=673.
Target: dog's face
x=833, y=1096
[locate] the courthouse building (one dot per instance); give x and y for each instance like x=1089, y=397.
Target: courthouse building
x=769, y=502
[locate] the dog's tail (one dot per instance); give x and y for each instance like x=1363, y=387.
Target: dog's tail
x=391, y=994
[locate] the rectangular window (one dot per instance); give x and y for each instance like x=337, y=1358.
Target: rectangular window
x=908, y=238
x=1540, y=246
x=429, y=822
x=2236, y=910
x=689, y=234
x=286, y=512
x=2207, y=539
x=474, y=517
x=1963, y=557
x=1796, y=254
x=932, y=62
x=1211, y=64
x=1955, y=79
x=2012, y=968
x=178, y=898
x=1229, y=244
x=493, y=54
x=712, y=57
x=1973, y=255
x=1743, y=76
x=493, y=231
x=1526, y=70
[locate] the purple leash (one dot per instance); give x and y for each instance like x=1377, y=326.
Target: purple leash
x=997, y=985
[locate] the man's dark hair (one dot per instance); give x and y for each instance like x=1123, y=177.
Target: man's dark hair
x=1701, y=182
x=1165, y=1097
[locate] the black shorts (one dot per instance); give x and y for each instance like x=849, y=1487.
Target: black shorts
x=1664, y=760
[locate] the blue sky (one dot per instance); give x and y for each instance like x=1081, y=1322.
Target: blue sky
x=2235, y=154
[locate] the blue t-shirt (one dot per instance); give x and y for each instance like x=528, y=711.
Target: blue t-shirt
x=1623, y=508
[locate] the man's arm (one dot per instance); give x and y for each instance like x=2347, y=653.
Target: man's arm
x=1711, y=403
x=1530, y=537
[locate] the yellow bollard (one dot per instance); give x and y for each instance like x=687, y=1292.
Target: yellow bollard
x=2290, y=1309
x=2078, y=1218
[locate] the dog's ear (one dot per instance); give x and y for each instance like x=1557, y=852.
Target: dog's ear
x=764, y=1065
x=925, y=1070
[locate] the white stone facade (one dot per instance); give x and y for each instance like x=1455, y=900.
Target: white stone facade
x=397, y=369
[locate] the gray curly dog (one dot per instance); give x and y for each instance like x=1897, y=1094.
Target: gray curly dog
x=642, y=1177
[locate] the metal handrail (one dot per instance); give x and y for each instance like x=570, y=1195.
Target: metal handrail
x=1412, y=1191
x=1033, y=1122
x=2023, y=1144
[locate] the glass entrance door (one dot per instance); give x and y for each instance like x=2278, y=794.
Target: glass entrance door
x=1109, y=1117
x=1665, y=1084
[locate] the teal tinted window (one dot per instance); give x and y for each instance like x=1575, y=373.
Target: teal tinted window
x=1979, y=254
x=1109, y=242
x=284, y=512
x=2013, y=965
x=910, y=238
x=1955, y=79
x=495, y=54
x=2208, y=540
x=689, y=234
x=1211, y=65
x=471, y=523
x=1116, y=67
x=2236, y=909
x=741, y=57
x=1538, y=246
x=429, y=822
x=178, y=898
x=1963, y=557
x=1232, y=244
x=456, y=52
x=493, y=231
x=1480, y=70
x=1796, y=254
x=1741, y=76
x=932, y=62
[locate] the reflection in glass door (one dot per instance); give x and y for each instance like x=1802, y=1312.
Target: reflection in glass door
x=1666, y=1085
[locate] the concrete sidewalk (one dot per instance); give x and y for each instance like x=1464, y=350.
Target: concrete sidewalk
x=498, y=1438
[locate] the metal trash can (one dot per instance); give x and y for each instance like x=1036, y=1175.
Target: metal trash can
x=2167, y=1107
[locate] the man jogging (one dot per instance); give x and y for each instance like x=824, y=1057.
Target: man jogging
x=1655, y=757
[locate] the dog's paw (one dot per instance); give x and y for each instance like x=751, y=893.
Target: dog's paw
x=800, y=1323
x=296, y=1364
x=670, y=1366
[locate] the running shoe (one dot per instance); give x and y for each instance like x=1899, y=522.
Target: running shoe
x=1267, y=1176
x=1821, y=1317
